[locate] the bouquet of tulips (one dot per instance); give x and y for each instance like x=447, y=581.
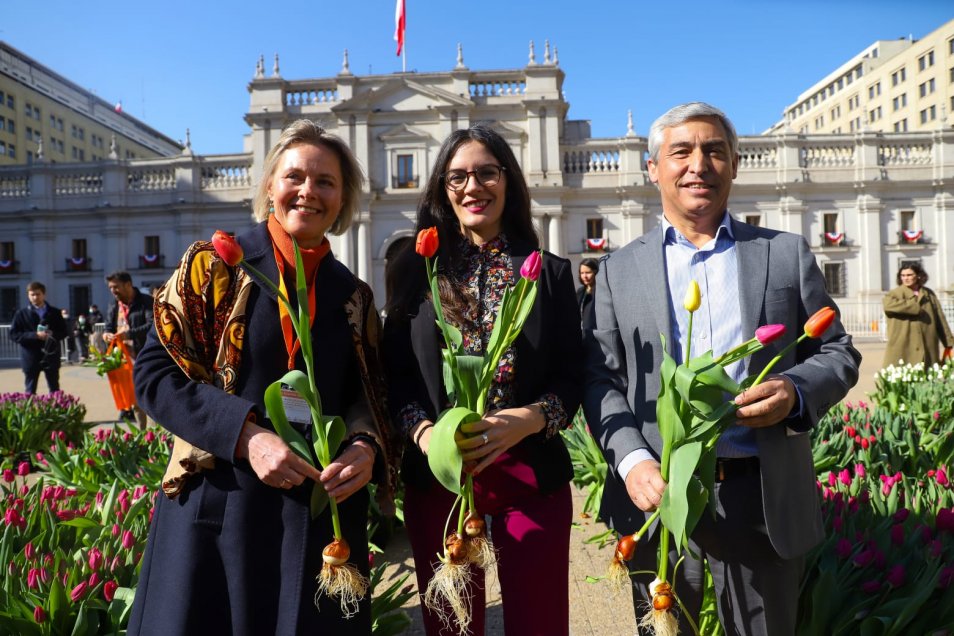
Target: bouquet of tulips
x=467, y=380
x=338, y=578
x=692, y=412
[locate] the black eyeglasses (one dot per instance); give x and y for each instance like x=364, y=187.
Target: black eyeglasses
x=486, y=176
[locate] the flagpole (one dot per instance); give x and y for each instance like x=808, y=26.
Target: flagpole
x=404, y=57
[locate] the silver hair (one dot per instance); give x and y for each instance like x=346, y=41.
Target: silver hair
x=305, y=131
x=679, y=115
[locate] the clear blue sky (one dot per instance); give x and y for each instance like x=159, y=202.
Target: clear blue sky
x=178, y=64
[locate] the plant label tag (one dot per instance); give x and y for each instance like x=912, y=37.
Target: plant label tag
x=296, y=408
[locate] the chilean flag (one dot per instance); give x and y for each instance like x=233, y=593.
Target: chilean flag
x=399, y=25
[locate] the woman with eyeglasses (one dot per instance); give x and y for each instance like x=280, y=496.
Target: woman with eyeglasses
x=478, y=199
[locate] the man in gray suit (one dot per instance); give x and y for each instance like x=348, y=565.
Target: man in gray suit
x=768, y=512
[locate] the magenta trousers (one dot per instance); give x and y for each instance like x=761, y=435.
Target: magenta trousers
x=531, y=533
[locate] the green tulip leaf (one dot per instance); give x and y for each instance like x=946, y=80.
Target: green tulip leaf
x=450, y=382
x=684, y=498
x=443, y=456
x=333, y=430
x=275, y=410
x=303, y=324
x=470, y=388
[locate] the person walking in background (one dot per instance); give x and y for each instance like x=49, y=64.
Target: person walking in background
x=72, y=355
x=130, y=317
x=767, y=506
x=39, y=328
x=478, y=199
x=916, y=323
x=95, y=317
x=81, y=330
x=584, y=295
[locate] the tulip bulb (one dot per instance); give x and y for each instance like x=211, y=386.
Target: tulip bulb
x=336, y=553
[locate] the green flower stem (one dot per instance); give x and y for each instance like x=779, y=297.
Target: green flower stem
x=689, y=339
x=663, y=555
x=732, y=355
x=335, y=522
x=467, y=502
x=781, y=354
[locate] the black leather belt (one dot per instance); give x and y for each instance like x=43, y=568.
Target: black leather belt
x=729, y=467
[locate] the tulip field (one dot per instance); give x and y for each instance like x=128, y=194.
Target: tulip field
x=76, y=512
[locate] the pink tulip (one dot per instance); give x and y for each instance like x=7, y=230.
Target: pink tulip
x=128, y=539
x=897, y=534
x=945, y=520
x=28, y=550
x=860, y=471
x=843, y=548
x=39, y=615
x=95, y=559
x=33, y=577
x=845, y=477
x=150, y=436
x=871, y=587
x=109, y=590
x=896, y=576
x=23, y=469
x=941, y=477
x=769, y=333
x=531, y=267
x=8, y=475
x=78, y=592
x=93, y=579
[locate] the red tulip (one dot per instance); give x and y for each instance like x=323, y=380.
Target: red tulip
x=531, y=267
x=819, y=322
x=941, y=477
x=851, y=431
x=427, y=242
x=78, y=592
x=8, y=475
x=227, y=248
x=768, y=333
x=109, y=590
x=23, y=469
x=39, y=615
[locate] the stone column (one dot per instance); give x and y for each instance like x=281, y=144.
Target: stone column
x=871, y=262
x=364, y=250
x=345, y=253
x=555, y=234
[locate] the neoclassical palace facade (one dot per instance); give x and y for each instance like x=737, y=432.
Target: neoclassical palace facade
x=866, y=201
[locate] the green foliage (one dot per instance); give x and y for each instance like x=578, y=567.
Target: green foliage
x=589, y=466
x=105, y=361
x=27, y=422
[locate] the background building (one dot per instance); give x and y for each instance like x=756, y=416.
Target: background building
x=866, y=202
x=892, y=86
x=39, y=106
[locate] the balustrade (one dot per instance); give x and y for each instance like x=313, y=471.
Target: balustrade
x=758, y=156
x=311, y=94
x=905, y=154
x=828, y=155
x=219, y=176
x=156, y=179
x=14, y=185
x=586, y=160
x=78, y=183
x=497, y=87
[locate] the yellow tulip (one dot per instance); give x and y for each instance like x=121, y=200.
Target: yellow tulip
x=693, y=297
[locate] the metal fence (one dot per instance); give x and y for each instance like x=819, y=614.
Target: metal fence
x=9, y=350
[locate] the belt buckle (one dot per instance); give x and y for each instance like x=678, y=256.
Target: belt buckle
x=720, y=470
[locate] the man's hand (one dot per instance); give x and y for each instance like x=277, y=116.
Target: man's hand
x=766, y=404
x=645, y=485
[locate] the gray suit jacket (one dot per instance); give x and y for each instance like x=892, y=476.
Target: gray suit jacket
x=779, y=282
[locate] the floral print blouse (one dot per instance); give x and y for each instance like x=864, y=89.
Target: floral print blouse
x=484, y=273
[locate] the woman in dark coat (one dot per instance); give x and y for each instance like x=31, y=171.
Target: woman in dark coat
x=232, y=547
x=478, y=199
x=584, y=294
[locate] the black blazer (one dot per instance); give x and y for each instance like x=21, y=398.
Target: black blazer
x=549, y=357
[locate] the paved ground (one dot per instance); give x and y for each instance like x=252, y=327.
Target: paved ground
x=594, y=611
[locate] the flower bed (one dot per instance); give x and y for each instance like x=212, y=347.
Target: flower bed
x=26, y=422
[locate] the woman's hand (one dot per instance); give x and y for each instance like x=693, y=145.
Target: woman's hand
x=483, y=441
x=271, y=458
x=350, y=471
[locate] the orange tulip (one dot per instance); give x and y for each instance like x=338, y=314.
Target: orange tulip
x=227, y=248
x=819, y=322
x=427, y=242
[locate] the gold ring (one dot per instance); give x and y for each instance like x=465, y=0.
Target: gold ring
x=485, y=438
